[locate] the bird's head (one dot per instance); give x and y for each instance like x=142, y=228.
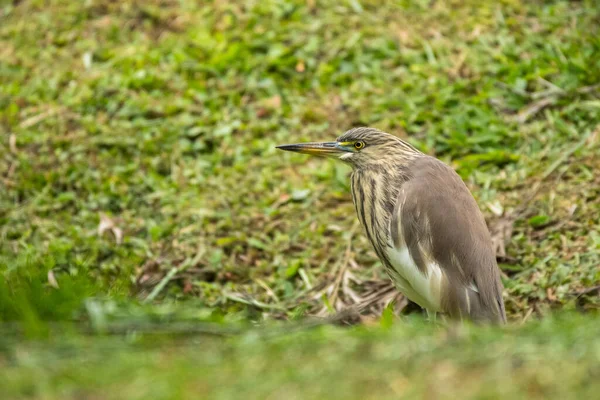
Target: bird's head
x=360, y=147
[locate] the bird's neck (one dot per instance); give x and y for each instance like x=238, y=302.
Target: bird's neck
x=375, y=191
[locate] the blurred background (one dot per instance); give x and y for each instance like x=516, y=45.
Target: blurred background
x=140, y=190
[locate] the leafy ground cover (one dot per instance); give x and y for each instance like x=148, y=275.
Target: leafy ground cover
x=138, y=160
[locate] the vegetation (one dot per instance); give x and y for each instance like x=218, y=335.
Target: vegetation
x=140, y=190
x=554, y=358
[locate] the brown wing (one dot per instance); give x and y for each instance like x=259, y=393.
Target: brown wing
x=440, y=221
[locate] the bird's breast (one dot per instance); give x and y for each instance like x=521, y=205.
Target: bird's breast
x=421, y=288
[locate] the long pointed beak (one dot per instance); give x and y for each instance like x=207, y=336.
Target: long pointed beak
x=315, y=149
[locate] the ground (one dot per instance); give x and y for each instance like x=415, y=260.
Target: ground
x=140, y=184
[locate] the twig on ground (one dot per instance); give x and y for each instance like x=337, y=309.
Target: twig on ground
x=343, y=266
x=36, y=119
x=172, y=272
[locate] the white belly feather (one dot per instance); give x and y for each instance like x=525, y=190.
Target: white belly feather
x=418, y=287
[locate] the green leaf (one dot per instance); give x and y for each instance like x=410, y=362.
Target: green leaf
x=538, y=220
x=257, y=243
x=387, y=316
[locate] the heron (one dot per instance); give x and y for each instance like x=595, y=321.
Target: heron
x=423, y=223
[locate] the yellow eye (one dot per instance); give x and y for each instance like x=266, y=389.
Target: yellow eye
x=359, y=145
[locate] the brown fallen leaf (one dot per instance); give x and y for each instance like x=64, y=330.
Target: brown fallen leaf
x=187, y=286
x=267, y=106
x=108, y=224
x=272, y=102
x=284, y=198
x=262, y=112
x=501, y=232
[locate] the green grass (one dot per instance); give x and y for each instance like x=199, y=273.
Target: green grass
x=557, y=358
x=157, y=121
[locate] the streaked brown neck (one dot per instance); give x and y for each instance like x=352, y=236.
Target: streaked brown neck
x=375, y=188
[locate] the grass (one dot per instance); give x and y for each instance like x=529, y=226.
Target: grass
x=410, y=360
x=138, y=161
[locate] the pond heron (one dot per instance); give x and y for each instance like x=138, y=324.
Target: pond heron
x=423, y=223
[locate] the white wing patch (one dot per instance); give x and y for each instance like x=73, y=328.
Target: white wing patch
x=425, y=290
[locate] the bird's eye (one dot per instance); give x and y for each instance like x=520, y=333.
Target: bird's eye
x=359, y=145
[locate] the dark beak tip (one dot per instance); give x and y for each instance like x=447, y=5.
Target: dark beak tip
x=323, y=148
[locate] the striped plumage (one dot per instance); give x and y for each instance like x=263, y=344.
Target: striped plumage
x=423, y=223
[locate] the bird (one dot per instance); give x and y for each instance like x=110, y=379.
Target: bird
x=423, y=223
